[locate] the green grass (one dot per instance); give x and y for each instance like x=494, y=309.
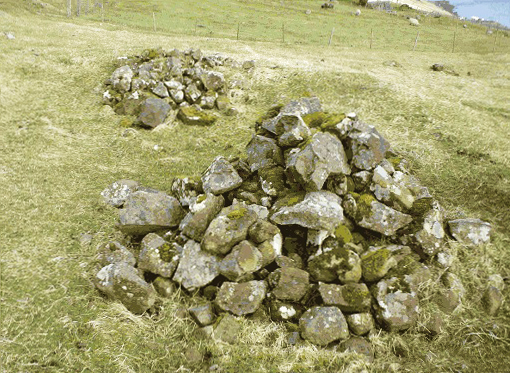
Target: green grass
x=59, y=148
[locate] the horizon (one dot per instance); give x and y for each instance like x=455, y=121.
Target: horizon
x=489, y=10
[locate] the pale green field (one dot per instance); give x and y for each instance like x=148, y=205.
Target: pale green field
x=59, y=148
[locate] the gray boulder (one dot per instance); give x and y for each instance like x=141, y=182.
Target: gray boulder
x=202, y=212
x=262, y=152
x=291, y=130
x=334, y=263
x=213, y=81
x=185, y=190
x=153, y=112
x=244, y=259
x=377, y=261
x=241, y=299
x=203, y=314
x=367, y=145
x=431, y=236
x=289, y=283
x=301, y=107
x=349, y=298
x=114, y=252
x=122, y=282
x=323, y=325
x=196, y=267
x=374, y=215
x=227, y=329
x=324, y=155
x=157, y=256
x=192, y=93
x=117, y=193
x=318, y=210
x=472, y=232
x=360, y=323
x=146, y=212
x=121, y=79
x=160, y=90
x=220, y=177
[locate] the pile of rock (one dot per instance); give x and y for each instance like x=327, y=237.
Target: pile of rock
x=152, y=84
x=320, y=224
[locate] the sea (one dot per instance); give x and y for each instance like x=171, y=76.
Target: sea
x=493, y=10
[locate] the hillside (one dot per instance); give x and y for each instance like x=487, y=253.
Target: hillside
x=420, y=5
x=60, y=147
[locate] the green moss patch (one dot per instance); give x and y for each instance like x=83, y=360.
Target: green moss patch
x=238, y=213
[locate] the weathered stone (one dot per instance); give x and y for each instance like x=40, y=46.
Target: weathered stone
x=272, y=180
x=153, y=112
x=270, y=249
x=173, y=84
x=117, y=193
x=213, y=81
x=121, y=281
x=185, y=190
x=220, y=177
x=114, y=252
x=318, y=210
x=302, y=107
x=157, y=256
x=202, y=212
x=292, y=339
x=160, y=90
x=203, y=314
x=291, y=130
x=359, y=346
x=361, y=180
x=121, y=79
x=472, y=232
x=392, y=192
x=244, y=259
x=241, y=299
x=367, y=145
x=349, y=298
x=334, y=263
x=289, y=283
x=324, y=155
x=222, y=103
x=262, y=152
x=164, y=286
x=196, y=267
x=431, y=236
x=207, y=101
x=262, y=231
x=192, y=93
x=491, y=300
x=177, y=95
x=227, y=329
x=378, y=217
x=192, y=116
x=410, y=272
x=360, y=323
x=323, y=325
x=285, y=311
x=228, y=228
x=283, y=261
x=377, y=261
x=145, y=212
x=394, y=309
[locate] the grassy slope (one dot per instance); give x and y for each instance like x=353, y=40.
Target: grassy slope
x=59, y=148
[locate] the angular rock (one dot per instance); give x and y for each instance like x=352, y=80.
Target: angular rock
x=213, y=81
x=270, y=249
x=158, y=256
x=431, y=236
x=302, y=107
x=359, y=346
x=244, y=259
x=318, y=210
x=492, y=300
x=164, y=287
x=360, y=323
x=117, y=193
x=122, y=282
x=262, y=231
x=202, y=212
x=367, y=145
x=192, y=93
x=160, y=90
x=323, y=325
x=312, y=165
x=377, y=261
x=228, y=228
x=378, y=217
x=349, y=298
x=472, y=232
x=185, y=190
x=272, y=180
x=241, y=299
x=114, y=252
x=262, y=152
x=145, y=212
x=227, y=329
x=153, y=112
x=177, y=95
x=192, y=116
x=196, y=267
x=335, y=263
x=395, y=310
x=289, y=283
x=390, y=191
x=121, y=79
x=291, y=130
x=203, y=314
x=220, y=177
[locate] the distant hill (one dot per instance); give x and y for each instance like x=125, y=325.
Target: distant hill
x=420, y=5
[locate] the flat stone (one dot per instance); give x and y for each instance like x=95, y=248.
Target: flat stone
x=289, y=283
x=472, y=232
x=349, y=298
x=360, y=323
x=196, y=268
x=323, y=325
x=241, y=299
x=192, y=116
x=220, y=177
x=146, y=212
x=117, y=193
x=157, y=256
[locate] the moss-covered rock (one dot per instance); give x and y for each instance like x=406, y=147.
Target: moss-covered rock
x=191, y=115
x=349, y=297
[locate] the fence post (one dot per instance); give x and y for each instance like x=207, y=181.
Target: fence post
x=371, y=37
x=238, y=27
x=416, y=41
x=331, y=36
x=154, y=21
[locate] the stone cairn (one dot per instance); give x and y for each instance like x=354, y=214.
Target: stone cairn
x=319, y=225
x=152, y=84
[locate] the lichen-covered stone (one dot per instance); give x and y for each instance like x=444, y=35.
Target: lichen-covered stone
x=196, y=268
x=270, y=249
x=122, y=282
x=334, y=263
x=228, y=228
x=367, y=145
x=410, y=272
x=160, y=90
x=318, y=210
x=360, y=323
x=191, y=115
x=472, y=232
x=202, y=212
x=114, y=252
x=390, y=191
x=378, y=217
x=285, y=311
x=213, y=80
x=153, y=112
x=241, y=299
x=312, y=165
x=203, y=314
x=431, y=236
x=291, y=130
x=145, y=212
x=220, y=177
x=289, y=284
x=157, y=256
x=244, y=259
x=323, y=325
x=121, y=78
x=262, y=152
x=377, y=261
x=185, y=190
x=117, y=193
x=349, y=298
x=272, y=180
x=192, y=93
x=262, y=231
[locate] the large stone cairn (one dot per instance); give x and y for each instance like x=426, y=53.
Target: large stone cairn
x=151, y=85
x=320, y=225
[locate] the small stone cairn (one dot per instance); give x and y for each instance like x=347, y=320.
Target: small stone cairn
x=319, y=225
x=151, y=85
